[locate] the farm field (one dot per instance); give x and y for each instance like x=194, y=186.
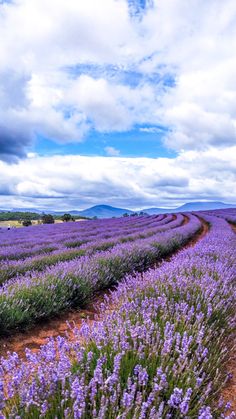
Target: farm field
x=17, y=224
x=160, y=343
x=5, y=224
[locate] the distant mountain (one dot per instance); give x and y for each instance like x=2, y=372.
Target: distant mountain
x=204, y=206
x=34, y=210
x=152, y=211
x=191, y=206
x=104, y=211
x=107, y=211
x=72, y=212
x=100, y=211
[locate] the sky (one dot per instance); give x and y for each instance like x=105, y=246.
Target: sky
x=130, y=103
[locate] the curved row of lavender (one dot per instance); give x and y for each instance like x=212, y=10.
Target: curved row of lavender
x=228, y=214
x=65, y=245
x=27, y=298
x=160, y=354
x=47, y=232
x=83, y=245
x=34, y=239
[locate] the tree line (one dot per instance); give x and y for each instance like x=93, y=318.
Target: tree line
x=26, y=218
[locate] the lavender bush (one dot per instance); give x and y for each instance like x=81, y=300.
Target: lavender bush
x=25, y=299
x=160, y=353
x=19, y=259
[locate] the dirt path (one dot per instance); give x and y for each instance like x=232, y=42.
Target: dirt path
x=204, y=230
x=229, y=392
x=38, y=335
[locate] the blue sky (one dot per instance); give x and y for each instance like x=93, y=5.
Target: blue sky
x=122, y=102
x=133, y=143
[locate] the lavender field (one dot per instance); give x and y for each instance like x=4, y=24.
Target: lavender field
x=161, y=344
x=51, y=268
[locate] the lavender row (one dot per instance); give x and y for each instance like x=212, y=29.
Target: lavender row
x=24, y=236
x=72, y=240
x=69, y=266
x=11, y=268
x=59, y=235
x=26, y=299
x=160, y=354
x=227, y=214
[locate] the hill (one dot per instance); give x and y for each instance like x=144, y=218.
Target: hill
x=107, y=211
x=191, y=206
x=204, y=206
x=104, y=211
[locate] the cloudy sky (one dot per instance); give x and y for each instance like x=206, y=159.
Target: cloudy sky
x=130, y=103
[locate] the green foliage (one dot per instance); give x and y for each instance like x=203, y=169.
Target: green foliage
x=67, y=217
x=26, y=223
x=53, y=295
x=19, y=216
x=47, y=219
x=39, y=264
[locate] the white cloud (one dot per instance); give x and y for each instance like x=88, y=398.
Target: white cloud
x=194, y=42
x=40, y=39
x=112, y=151
x=197, y=42
x=151, y=130
x=66, y=182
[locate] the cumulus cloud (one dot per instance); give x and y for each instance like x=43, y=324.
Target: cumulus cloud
x=160, y=63
x=67, y=182
x=198, y=42
x=13, y=143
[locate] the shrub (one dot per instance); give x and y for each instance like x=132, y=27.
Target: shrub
x=26, y=223
x=67, y=217
x=47, y=219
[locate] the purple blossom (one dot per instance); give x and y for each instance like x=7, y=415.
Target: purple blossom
x=176, y=398
x=150, y=357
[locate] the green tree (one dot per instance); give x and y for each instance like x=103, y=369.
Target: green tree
x=47, y=219
x=125, y=214
x=18, y=216
x=67, y=217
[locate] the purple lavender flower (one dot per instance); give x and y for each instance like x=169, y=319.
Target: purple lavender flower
x=150, y=357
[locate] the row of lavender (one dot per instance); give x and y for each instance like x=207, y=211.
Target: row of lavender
x=26, y=298
x=28, y=241
x=160, y=354
x=70, y=239
x=19, y=264
x=227, y=214
x=62, y=230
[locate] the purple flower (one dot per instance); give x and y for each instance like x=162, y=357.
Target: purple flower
x=176, y=398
